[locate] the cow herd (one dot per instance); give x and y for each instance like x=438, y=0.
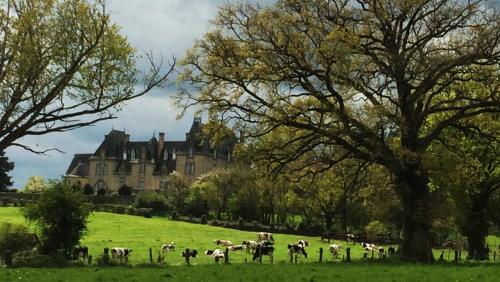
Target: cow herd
x=263, y=246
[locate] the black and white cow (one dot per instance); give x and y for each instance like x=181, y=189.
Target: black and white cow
x=237, y=248
x=250, y=245
x=351, y=238
x=296, y=249
x=368, y=247
x=381, y=252
x=120, y=253
x=263, y=250
x=167, y=247
x=216, y=254
x=391, y=251
x=80, y=251
x=225, y=243
x=192, y=253
x=335, y=250
x=265, y=237
x=304, y=243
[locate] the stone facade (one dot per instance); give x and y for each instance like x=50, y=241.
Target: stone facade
x=145, y=165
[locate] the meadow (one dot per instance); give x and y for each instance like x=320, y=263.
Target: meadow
x=140, y=234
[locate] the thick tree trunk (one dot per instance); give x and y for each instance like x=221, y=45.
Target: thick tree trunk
x=414, y=192
x=329, y=220
x=476, y=228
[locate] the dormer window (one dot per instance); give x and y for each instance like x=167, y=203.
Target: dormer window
x=165, y=155
x=134, y=155
x=190, y=151
x=124, y=154
x=174, y=155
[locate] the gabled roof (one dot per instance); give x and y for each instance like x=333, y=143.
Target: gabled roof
x=79, y=165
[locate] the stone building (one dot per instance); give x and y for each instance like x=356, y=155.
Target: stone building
x=145, y=165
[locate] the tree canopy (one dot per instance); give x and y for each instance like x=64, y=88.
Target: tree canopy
x=380, y=79
x=64, y=65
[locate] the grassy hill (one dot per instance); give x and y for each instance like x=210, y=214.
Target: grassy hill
x=140, y=234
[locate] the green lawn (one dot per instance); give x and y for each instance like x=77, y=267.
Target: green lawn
x=265, y=272
x=140, y=234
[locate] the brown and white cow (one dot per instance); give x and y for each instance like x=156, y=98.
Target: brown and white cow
x=225, y=243
x=335, y=250
x=250, y=245
x=265, y=237
x=237, y=248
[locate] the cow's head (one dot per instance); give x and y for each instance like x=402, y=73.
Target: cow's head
x=208, y=252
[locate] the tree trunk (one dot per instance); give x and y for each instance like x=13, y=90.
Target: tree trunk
x=414, y=192
x=475, y=227
x=329, y=220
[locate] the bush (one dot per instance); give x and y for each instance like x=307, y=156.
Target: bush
x=146, y=212
x=62, y=215
x=88, y=189
x=125, y=191
x=101, y=192
x=203, y=219
x=13, y=239
x=375, y=228
x=156, y=202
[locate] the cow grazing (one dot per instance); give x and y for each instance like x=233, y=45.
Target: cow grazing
x=304, y=243
x=265, y=237
x=296, y=249
x=120, y=253
x=237, y=248
x=80, y=251
x=250, y=245
x=351, y=238
x=391, y=251
x=368, y=247
x=167, y=247
x=263, y=251
x=335, y=250
x=381, y=252
x=216, y=254
x=192, y=253
x=225, y=243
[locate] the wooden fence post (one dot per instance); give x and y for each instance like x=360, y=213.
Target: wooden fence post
x=460, y=255
x=320, y=254
x=186, y=256
x=373, y=253
x=89, y=260
x=295, y=258
x=348, y=254
x=226, y=256
x=456, y=256
x=150, y=255
x=494, y=256
x=290, y=253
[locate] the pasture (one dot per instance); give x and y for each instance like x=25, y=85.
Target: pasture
x=140, y=234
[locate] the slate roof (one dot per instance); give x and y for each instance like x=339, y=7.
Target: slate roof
x=79, y=165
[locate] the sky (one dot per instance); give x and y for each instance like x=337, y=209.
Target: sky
x=166, y=27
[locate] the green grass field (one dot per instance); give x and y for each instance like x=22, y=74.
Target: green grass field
x=140, y=234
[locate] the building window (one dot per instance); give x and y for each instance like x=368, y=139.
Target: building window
x=134, y=155
x=142, y=166
x=215, y=154
x=163, y=185
x=101, y=185
x=190, y=151
x=122, y=181
x=101, y=168
x=174, y=155
x=189, y=169
x=140, y=185
x=165, y=155
x=104, y=169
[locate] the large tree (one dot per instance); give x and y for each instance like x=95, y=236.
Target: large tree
x=64, y=65
x=363, y=75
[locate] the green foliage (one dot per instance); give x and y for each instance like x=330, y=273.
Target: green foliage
x=61, y=214
x=374, y=229
x=101, y=192
x=155, y=201
x=5, y=167
x=176, y=192
x=15, y=238
x=88, y=189
x=35, y=184
x=125, y=190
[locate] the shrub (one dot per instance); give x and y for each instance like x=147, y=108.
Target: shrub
x=101, y=192
x=156, y=202
x=62, y=215
x=375, y=228
x=125, y=191
x=13, y=239
x=203, y=219
x=88, y=189
x=146, y=212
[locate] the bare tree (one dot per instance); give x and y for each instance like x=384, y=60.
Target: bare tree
x=64, y=65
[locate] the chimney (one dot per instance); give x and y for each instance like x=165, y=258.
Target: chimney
x=161, y=144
